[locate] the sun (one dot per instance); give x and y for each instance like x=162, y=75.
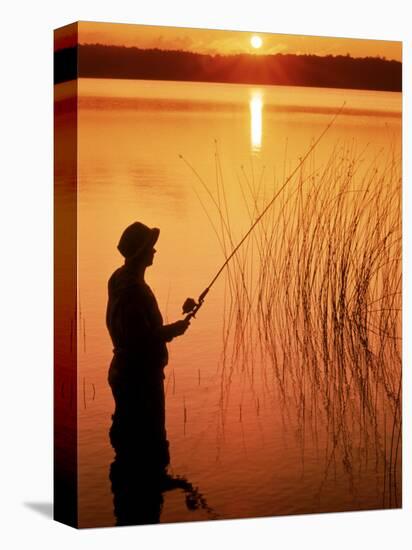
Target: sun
x=256, y=42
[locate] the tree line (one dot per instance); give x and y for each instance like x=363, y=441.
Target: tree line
x=99, y=61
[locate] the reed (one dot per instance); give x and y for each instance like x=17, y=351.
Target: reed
x=313, y=302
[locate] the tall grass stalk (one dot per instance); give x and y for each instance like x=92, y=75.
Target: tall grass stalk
x=313, y=302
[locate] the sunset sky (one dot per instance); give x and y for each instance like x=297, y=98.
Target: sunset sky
x=225, y=42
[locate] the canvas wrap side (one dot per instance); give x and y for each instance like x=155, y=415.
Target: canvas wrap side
x=65, y=289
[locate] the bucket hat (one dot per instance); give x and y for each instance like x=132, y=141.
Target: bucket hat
x=136, y=238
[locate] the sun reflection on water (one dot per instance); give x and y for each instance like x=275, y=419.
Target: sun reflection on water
x=256, y=105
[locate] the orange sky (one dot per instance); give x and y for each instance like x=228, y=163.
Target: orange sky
x=230, y=42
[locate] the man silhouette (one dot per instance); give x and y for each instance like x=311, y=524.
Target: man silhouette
x=139, y=337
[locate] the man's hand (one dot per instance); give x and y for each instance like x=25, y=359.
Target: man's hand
x=180, y=327
x=168, y=332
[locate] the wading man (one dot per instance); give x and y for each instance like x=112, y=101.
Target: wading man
x=139, y=337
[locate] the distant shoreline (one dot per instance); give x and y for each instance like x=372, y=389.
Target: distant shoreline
x=341, y=72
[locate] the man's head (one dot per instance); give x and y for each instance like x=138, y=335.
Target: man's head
x=137, y=243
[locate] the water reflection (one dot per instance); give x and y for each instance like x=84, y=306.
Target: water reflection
x=139, y=476
x=256, y=105
x=290, y=405
x=138, y=493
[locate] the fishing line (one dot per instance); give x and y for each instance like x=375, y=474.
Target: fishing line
x=191, y=307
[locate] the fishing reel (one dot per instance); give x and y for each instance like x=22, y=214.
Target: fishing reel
x=191, y=307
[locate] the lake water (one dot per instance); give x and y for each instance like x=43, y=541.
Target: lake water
x=235, y=432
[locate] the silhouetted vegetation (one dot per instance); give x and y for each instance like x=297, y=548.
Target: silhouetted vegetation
x=98, y=61
x=313, y=306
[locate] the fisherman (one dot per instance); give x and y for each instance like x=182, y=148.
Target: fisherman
x=139, y=338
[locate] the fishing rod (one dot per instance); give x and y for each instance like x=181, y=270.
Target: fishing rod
x=190, y=306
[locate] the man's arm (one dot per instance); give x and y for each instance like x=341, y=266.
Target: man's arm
x=168, y=332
